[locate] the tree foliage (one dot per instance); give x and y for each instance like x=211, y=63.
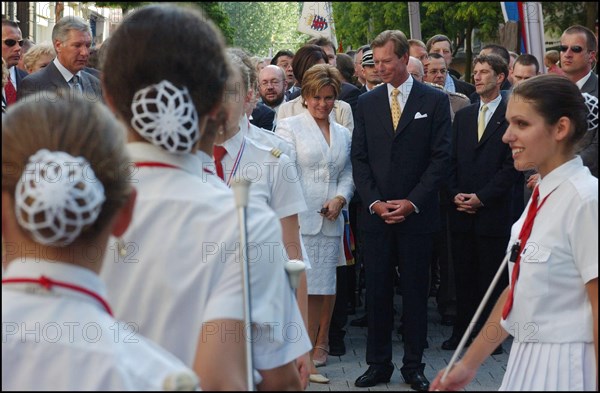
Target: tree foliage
x=560, y=15
x=263, y=26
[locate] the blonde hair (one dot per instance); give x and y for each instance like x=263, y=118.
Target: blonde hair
x=553, y=56
x=61, y=121
x=37, y=51
x=319, y=76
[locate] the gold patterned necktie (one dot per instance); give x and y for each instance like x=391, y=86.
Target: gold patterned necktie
x=481, y=122
x=396, y=112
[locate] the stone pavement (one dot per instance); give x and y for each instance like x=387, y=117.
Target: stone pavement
x=343, y=370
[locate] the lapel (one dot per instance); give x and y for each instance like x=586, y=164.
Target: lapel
x=382, y=107
x=314, y=133
x=413, y=104
x=55, y=77
x=498, y=118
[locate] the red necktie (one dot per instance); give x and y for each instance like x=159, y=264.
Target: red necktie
x=523, y=237
x=11, y=93
x=218, y=154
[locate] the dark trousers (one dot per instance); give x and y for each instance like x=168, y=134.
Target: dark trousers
x=381, y=252
x=446, y=298
x=340, y=309
x=476, y=261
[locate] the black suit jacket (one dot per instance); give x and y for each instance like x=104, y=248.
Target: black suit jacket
x=50, y=78
x=349, y=94
x=485, y=168
x=263, y=116
x=410, y=163
x=463, y=87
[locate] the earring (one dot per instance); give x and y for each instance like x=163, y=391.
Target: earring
x=122, y=247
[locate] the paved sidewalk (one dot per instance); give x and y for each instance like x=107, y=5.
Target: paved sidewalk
x=343, y=370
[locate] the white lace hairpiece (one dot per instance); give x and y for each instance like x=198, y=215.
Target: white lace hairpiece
x=165, y=115
x=592, y=104
x=57, y=196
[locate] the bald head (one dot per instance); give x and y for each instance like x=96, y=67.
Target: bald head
x=415, y=68
x=271, y=85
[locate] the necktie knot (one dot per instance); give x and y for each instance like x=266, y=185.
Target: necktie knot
x=395, y=93
x=219, y=152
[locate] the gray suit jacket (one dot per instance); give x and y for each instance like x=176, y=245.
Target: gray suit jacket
x=591, y=86
x=50, y=79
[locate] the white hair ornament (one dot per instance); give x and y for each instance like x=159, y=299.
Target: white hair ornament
x=57, y=196
x=592, y=105
x=165, y=115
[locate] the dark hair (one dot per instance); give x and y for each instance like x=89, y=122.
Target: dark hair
x=322, y=41
x=306, y=57
x=400, y=41
x=201, y=68
x=283, y=52
x=499, y=50
x=437, y=38
x=345, y=66
x=590, y=38
x=527, y=60
x=435, y=55
x=496, y=62
x=554, y=96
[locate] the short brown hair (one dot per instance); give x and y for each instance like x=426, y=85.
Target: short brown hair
x=61, y=121
x=319, y=76
x=147, y=36
x=401, y=46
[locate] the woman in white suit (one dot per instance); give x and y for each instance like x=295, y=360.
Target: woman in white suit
x=325, y=172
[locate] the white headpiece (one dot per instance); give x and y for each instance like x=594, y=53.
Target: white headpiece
x=592, y=105
x=57, y=196
x=165, y=115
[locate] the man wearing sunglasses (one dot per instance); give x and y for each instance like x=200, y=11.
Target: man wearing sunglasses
x=12, y=40
x=577, y=48
x=72, y=39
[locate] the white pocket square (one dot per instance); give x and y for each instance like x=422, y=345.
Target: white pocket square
x=418, y=115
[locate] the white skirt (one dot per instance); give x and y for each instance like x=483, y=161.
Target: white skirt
x=324, y=254
x=550, y=367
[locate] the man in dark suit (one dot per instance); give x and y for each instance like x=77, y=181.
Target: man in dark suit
x=482, y=186
x=12, y=41
x=72, y=39
x=400, y=154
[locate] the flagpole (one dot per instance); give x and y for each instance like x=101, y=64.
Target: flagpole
x=414, y=20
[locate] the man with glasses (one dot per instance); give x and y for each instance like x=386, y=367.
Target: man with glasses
x=12, y=41
x=577, y=56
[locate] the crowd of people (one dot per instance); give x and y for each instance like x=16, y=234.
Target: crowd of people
x=381, y=169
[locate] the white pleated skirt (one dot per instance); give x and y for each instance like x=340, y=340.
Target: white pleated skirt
x=324, y=254
x=550, y=367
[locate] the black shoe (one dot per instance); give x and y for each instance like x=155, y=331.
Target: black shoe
x=452, y=343
x=374, y=375
x=448, y=320
x=360, y=322
x=350, y=309
x=337, y=347
x=416, y=380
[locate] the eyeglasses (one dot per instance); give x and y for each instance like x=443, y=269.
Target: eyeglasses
x=574, y=48
x=433, y=71
x=273, y=83
x=10, y=42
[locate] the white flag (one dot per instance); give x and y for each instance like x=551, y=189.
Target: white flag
x=317, y=20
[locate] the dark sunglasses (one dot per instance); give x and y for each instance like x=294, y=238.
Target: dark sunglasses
x=574, y=48
x=10, y=42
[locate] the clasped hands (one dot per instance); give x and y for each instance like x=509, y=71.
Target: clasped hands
x=468, y=203
x=393, y=211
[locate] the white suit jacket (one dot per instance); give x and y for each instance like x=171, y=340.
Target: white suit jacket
x=324, y=170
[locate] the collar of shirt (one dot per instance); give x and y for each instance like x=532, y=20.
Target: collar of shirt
x=449, y=84
x=492, y=105
x=142, y=151
x=405, y=89
x=233, y=144
x=582, y=81
x=34, y=268
x=558, y=176
x=64, y=72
